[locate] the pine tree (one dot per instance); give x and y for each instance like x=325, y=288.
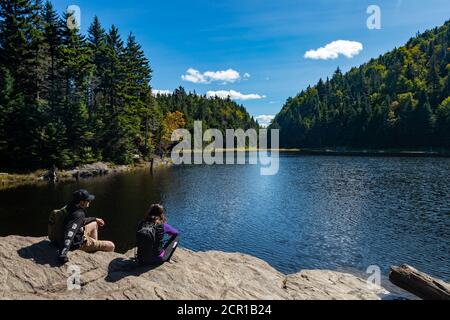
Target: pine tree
x=97, y=98
x=15, y=32
x=52, y=38
x=7, y=106
x=114, y=75
x=97, y=43
x=76, y=69
x=116, y=138
x=138, y=93
x=18, y=36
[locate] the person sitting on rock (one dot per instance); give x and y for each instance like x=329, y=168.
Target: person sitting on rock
x=80, y=232
x=151, y=248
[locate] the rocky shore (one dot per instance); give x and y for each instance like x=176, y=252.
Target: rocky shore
x=12, y=180
x=29, y=270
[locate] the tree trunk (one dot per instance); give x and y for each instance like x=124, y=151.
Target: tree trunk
x=419, y=283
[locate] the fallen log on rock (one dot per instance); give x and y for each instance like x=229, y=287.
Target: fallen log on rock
x=419, y=283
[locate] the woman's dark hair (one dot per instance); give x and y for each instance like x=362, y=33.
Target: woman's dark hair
x=155, y=214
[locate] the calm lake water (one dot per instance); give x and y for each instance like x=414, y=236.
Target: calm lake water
x=341, y=213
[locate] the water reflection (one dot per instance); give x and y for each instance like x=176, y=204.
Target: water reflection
x=316, y=213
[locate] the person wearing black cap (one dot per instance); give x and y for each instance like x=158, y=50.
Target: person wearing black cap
x=81, y=232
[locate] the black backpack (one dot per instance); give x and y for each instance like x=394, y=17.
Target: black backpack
x=146, y=243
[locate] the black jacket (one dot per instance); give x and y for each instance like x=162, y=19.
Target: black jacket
x=159, y=237
x=74, y=228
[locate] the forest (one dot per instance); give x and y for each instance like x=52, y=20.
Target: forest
x=399, y=100
x=67, y=98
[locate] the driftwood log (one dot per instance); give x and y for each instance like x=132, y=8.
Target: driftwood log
x=419, y=283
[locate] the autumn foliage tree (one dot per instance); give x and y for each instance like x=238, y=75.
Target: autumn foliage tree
x=172, y=121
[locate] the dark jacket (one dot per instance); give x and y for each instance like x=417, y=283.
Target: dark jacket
x=159, y=237
x=161, y=230
x=74, y=228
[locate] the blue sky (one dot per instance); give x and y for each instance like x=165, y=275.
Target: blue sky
x=255, y=49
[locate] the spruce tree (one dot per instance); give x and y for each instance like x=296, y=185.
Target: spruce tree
x=117, y=142
x=138, y=94
x=18, y=36
x=76, y=69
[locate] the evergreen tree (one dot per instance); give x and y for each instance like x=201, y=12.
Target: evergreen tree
x=18, y=60
x=138, y=93
x=97, y=43
x=76, y=69
x=117, y=139
x=52, y=39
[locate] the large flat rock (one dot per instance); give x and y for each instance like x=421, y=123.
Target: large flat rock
x=29, y=270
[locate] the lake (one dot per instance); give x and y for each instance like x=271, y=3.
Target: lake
x=318, y=212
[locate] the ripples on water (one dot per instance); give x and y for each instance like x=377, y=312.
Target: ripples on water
x=316, y=213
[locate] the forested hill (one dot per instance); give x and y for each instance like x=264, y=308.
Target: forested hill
x=399, y=100
x=67, y=98
x=215, y=112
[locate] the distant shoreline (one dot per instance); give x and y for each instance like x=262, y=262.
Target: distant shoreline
x=377, y=153
x=224, y=150
x=331, y=152
x=13, y=179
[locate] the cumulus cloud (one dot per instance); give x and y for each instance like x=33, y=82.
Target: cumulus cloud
x=225, y=76
x=194, y=76
x=155, y=92
x=334, y=49
x=265, y=120
x=234, y=95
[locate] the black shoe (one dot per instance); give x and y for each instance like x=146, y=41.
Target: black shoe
x=63, y=259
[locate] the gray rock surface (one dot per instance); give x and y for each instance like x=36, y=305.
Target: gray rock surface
x=28, y=270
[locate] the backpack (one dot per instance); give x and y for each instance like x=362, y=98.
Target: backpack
x=146, y=243
x=55, y=230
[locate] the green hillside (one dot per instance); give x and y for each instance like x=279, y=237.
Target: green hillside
x=399, y=100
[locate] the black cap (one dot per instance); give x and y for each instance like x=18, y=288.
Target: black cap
x=82, y=195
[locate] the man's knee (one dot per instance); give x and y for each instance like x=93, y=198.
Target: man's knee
x=110, y=246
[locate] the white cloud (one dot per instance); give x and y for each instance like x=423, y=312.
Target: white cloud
x=265, y=120
x=155, y=92
x=225, y=76
x=334, y=49
x=229, y=75
x=194, y=76
x=234, y=95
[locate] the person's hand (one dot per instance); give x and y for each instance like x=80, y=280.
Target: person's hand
x=100, y=222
